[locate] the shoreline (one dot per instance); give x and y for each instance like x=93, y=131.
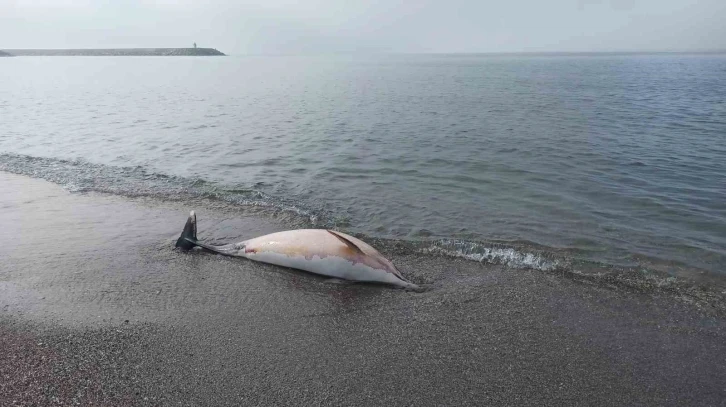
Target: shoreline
x=90, y=284
x=646, y=274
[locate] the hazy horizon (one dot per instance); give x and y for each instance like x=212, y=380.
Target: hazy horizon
x=324, y=26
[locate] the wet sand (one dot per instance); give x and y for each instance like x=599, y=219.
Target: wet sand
x=97, y=308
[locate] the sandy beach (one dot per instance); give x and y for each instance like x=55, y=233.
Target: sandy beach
x=96, y=307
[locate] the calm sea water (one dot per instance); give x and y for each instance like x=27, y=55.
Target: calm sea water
x=613, y=159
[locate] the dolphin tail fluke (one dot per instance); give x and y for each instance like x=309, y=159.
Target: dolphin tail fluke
x=188, y=238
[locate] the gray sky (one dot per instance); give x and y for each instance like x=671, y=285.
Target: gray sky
x=321, y=26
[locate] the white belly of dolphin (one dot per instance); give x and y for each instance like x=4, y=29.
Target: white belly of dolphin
x=332, y=266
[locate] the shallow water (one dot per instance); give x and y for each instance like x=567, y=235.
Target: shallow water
x=614, y=159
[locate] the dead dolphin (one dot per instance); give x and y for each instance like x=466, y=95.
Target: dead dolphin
x=318, y=251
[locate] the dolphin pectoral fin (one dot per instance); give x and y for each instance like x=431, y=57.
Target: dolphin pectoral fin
x=366, y=250
x=347, y=242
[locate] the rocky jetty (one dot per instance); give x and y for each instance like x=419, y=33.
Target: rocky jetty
x=5, y=54
x=117, y=52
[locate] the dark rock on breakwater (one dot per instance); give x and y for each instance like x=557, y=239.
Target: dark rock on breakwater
x=117, y=52
x=5, y=54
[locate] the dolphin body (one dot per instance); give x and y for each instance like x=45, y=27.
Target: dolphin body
x=318, y=251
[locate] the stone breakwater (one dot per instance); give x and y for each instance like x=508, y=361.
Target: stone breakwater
x=5, y=54
x=116, y=52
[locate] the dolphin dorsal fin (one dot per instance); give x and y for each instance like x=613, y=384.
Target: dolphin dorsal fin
x=347, y=241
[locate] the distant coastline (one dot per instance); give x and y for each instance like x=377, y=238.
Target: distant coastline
x=203, y=52
x=5, y=54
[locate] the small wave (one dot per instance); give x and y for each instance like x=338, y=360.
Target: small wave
x=709, y=296
x=508, y=256
x=82, y=176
